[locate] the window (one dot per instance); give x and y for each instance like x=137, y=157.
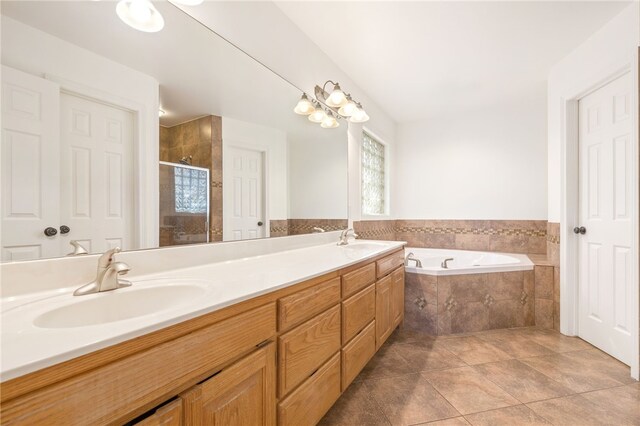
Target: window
x=373, y=176
x=191, y=190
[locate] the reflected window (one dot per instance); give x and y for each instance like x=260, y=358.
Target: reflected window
x=373, y=176
x=191, y=190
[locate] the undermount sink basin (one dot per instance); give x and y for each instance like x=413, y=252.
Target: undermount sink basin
x=118, y=305
x=363, y=246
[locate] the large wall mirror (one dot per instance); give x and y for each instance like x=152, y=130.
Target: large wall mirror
x=117, y=137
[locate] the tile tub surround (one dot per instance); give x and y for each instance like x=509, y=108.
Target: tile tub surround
x=507, y=236
x=520, y=376
x=442, y=305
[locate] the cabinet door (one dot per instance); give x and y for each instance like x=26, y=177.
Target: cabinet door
x=383, y=310
x=397, y=297
x=241, y=394
x=167, y=415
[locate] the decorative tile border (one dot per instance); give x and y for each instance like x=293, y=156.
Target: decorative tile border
x=472, y=231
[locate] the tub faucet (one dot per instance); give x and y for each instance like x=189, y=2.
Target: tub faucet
x=411, y=257
x=444, y=262
x=107, y=276
x=344, y=236
x=317, y=230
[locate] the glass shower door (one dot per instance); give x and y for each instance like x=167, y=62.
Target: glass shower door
x=184, y=204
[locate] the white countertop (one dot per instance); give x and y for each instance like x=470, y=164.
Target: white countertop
x=27, y=347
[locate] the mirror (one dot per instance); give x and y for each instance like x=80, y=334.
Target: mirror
x=116, y=137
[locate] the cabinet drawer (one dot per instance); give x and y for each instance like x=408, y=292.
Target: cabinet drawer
x=357, y=312
x=115, y=392
x=307, y=404
x=301, y=306
x=168, y=415
x=357, y=353
x=302, y=350
x=360, y=278
x=389, y=263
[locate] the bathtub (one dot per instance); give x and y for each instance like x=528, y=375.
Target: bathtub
x=465, y=262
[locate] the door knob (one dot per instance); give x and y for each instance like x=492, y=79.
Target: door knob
x=260, y=223
x=64, y=229
x=580, y=230
x=50, y=232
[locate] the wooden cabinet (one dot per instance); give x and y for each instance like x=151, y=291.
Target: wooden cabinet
x=358, y=279
x=169, y=414
x=308, y=403
x=397, y=297
x=302, y=350
x=357, y=353
x=357, y=312
x=241, y=394
x=384, y=325
x=301, y=306
x=225, y=367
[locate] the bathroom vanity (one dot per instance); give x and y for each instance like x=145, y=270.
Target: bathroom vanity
x=282, y=356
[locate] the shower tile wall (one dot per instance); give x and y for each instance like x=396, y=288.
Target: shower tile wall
x=202, y=140
x=553, y=256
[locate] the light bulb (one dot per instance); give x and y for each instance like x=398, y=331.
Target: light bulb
x=304, y=106
x=359, y=116
x=337, y=98
x=140, y=14
x=348, y=109
x=329, y=122
x=317, y=116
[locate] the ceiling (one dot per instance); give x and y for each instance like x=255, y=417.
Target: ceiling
x=420, y=59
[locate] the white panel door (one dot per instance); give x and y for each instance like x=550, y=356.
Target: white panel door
x=605, y=205
x=30, y=166
x=245, y=214
x=97, y=177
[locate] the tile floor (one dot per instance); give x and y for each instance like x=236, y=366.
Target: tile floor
x=520, y=376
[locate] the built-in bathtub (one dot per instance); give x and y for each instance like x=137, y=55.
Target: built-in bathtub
x=466, y=262
x=478, y=291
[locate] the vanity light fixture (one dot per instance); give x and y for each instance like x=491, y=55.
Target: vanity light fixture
x=304, y=106
x=359, y=116
x=326, y=108
x=329, y=122
x=318, y=115
x=336, y=98
x=140, y=14
x=348, y=109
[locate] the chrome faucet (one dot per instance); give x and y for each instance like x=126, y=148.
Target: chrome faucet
x=107, y=276
x=444, y=262
x=77, y=249
x=411, y=257
x=344, y=236
x=318, y=230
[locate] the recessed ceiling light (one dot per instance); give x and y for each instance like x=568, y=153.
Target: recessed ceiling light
x=140, y=14
x=161, y=113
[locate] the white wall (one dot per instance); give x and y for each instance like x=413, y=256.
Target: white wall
x=274, y=142
x=318, y=174
x=482, y=164
x=602, y=55
x=80, y=70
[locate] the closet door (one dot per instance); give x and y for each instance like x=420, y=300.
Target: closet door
x=30, y=166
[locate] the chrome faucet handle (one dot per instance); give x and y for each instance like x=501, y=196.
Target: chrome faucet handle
x=318, y=230
x=108, y=257
x=78, y=249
